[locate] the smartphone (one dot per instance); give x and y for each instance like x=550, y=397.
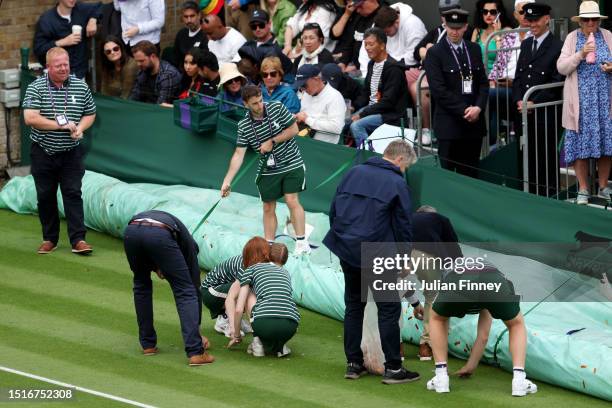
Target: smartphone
x=497, y=18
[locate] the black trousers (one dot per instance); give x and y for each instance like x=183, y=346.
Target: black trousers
x=388, y=320
x=460, y=155
x=147, y=249
x=66, y=170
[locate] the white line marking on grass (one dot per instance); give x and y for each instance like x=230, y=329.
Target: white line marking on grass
x=77, y=388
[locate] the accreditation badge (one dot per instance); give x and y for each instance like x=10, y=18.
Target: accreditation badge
x=467, y=86
x=61, y=119
x=271, y=161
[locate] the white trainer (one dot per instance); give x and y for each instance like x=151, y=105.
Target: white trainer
x=222, y=324
x=302, y=247
x=245, y=326
x=256, y=348
x=583, y=197
x=439, y=384
x=520, y=388
x=286, y=351
x=426, y=137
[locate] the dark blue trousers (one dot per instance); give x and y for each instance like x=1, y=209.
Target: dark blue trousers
x=147, y=249
x=388, y=320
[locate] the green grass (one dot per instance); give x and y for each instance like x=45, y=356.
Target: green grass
x=71, y=318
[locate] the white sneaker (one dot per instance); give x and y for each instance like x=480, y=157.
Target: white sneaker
x=439, y=384
x=426, y=137
x=605, y=193
x=302, y=247
x=222, y=324
x=583, y=197
x=520, y=388
x=245, y=327
x=286, y=351
x=256, y=348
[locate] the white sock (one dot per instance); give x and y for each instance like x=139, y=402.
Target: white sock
x=519, y=373
x=441, y=369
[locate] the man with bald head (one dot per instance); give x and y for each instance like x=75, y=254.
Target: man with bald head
x=223, y=41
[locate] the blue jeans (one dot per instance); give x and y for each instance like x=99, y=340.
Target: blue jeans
x=362, y=128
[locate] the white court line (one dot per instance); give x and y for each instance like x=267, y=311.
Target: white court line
x=76, y=387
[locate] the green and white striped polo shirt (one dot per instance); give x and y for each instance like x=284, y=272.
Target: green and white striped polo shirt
x=252, y=133
x=272, y=287
x=225, y=272
x=74, y=100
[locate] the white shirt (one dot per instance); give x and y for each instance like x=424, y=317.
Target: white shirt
x=401, y=46
x=326, y=111
x=377, y=70
x=541, y=39
x=226, y=49
x=148, y=15
x=321, y=16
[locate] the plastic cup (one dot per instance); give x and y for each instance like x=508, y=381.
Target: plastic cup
x=77, y=29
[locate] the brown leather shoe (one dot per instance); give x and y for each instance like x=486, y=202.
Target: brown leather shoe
x=151, y=351
x=46, y=247
x=425, y=353
x=201, y=359
x=82, y=248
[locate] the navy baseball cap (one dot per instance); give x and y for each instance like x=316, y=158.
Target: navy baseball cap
x=259, y=16
x=304, y=73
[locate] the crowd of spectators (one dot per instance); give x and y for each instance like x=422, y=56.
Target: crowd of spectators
x=269, y=43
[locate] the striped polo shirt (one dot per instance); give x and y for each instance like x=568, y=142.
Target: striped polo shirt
x=225, y=272
x=252, y=133
x=272, y=287
x=74, y=99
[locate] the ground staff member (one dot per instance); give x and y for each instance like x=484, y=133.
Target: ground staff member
x=269, y=129
x=459, y=89
x=266, y=295
x=372, y=204
x=157, y=241
x=503, y=305
x=59, y=108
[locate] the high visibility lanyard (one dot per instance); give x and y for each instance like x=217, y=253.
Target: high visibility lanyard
x=467, y=54
x=53, y=99
x=253, y=126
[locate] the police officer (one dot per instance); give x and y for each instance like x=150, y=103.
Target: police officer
x=537, y=65
x=157, y=241
x=459, y=89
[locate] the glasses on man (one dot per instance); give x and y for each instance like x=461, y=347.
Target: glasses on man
x=591, y=19
x=255, y=26
x=109, y=51
x=521, y=12
x=271, y=74
x=492, y=12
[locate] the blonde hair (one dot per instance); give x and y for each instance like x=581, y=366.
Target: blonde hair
x=54, y=52
x=272, y=63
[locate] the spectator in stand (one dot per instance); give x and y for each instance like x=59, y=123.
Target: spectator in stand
x=141, y=20
x=280, y=11
x=587, y=99
x=189, y=36
x=358, y=16
x=385, y=96
x=433, y=37
x=192, y=80
x=323, y=108
x=231, y=84
x=250, y=69
x=404, y=31
x=210, y=71
x=313, y=50
x=223, y=41
x=347, y=86
x=158, y=81
x=273, y=89
x=322, y=12
x=119, y=70
x=459, y=89
x=56, y=28
x=537, y=65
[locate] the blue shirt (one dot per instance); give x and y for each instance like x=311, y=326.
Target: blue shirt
x=284, y=94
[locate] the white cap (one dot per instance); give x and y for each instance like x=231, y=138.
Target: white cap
x=517, y=2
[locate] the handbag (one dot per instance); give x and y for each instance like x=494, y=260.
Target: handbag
x=198, y=114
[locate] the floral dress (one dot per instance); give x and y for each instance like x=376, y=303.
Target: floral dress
x=594, y=136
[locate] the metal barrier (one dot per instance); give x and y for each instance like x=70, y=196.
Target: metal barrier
x=533, y=138
x=419, y=113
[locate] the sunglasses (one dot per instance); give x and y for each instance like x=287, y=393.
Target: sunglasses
x=109, y=51
x=255, y=26
x=309, y=26
x=587, y=19
x=237, y=79
x=521, y=12
x=271, y=74
x=492, y=12
x=204, y=20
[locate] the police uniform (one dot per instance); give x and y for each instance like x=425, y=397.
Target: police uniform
x=537, y=69
x=156, y=240
x=457, y=80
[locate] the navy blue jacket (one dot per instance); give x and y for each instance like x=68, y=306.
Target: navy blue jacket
x=434, y=234
x=51, y=27
x=372, y=204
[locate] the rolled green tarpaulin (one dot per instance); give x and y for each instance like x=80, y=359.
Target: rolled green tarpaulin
x=581, y=361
